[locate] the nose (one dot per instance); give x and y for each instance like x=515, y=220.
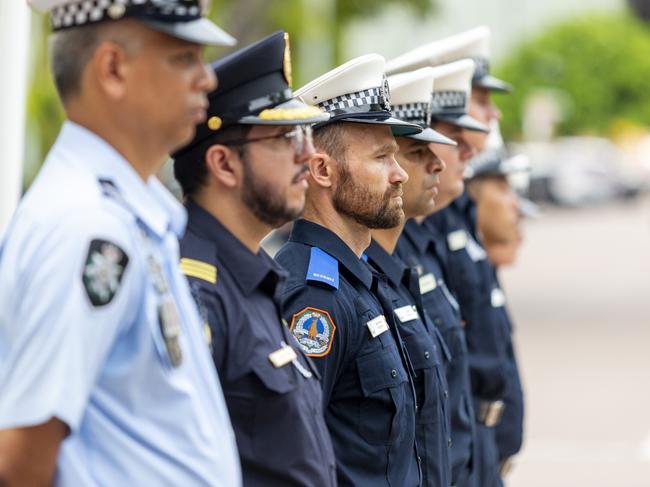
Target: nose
x=437, y=164
x=307, y=151
x=398, y=175
x=495, y=113
x=466, y=151
x=208, y=79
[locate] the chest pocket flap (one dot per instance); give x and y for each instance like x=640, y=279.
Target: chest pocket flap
x=380, y=370
x=280, y=380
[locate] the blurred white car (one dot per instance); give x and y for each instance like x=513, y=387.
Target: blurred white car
x=579, y=171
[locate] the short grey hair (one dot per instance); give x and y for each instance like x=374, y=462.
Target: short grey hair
x=72, y=49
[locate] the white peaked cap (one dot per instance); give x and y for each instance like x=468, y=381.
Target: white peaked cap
x=473, y=43
x=411, y=87
x=411, y=99
x=451, y=95
x=456, y=76
x=358, y=74
x=356, y=91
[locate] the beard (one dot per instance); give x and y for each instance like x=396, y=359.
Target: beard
x=369, y=209
x=265, y=202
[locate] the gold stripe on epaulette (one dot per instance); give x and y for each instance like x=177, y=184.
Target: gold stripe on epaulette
x=198, y=269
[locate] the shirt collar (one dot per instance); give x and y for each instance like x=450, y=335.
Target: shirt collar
x=150, y=201
x=249, y=270
x=385, y=263
x=315, y=235
x=419, y=235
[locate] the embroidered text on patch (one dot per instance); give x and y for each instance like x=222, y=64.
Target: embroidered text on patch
x=314, y=330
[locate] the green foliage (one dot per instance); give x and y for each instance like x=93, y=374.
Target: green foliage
x=601, y=65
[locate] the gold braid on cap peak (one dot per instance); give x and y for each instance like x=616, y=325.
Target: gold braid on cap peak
x=290, y=113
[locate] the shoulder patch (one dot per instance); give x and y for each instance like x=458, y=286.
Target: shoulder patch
x=103, y=271
x=198, y=269
x=323, y=268
x=314, y=330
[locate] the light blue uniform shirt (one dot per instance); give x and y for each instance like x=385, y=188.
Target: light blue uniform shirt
x=135, y=418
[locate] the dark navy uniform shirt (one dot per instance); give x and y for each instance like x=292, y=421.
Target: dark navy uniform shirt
x=271, y=388
x=332, y=301
x=425, y=348
x=419, y=248
x=472, y=277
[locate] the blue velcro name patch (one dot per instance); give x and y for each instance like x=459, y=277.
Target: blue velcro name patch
x=323, y=268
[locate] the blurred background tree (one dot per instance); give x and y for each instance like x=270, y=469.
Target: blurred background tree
x=597, y=68
x=317, y=29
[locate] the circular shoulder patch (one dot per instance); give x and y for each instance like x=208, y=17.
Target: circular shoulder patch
x=314, y=330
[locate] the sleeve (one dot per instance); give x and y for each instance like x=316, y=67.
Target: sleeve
x=213, y=314
x=77, y=285
x=320, y=321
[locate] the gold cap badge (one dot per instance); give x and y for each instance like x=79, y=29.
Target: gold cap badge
x=214, y=123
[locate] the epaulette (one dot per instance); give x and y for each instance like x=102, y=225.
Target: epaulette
x=198, y=259
x=323, y=268
x=110, y=191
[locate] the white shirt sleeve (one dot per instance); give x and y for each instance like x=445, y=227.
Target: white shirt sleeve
x=54, y=339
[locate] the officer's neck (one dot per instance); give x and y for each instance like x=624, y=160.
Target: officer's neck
x=145, y=155
x=355, y=235
x=235, y=217
x=387, y=238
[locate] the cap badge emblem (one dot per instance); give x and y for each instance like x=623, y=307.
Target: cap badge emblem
x=214, y=123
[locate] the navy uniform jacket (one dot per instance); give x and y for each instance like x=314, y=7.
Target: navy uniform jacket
x=493, y=365
x=332, y=301
x=419, y=249
x=425, y=348
x=272, y=390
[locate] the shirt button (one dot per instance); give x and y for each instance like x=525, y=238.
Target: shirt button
x=419, y=459
x=449, y=442
x=393, y=373
x=437, y=321
x=446, y=394
x=427, y=355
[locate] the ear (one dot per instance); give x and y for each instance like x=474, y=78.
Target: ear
x=224, y=165
x=321, y=170
x=111, y=69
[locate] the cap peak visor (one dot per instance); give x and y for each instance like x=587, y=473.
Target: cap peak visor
x=432, y=137
x=493, y=84
x=199, y=31
x=463, y=121
x=398, y=127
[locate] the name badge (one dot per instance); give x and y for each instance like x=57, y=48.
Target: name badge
x=475, y=251
x=407, y=313
x=427, y=283
x=282, y=356
x=377, y=325
x=498, y=298
x=457, y=240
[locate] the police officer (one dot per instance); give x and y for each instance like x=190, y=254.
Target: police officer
x=243, y=175
x=499, y=207
x=475, y=43
x=425, y=248
x=104, y=372
x=336, y=304
x=497, y=214
x=411, y=98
